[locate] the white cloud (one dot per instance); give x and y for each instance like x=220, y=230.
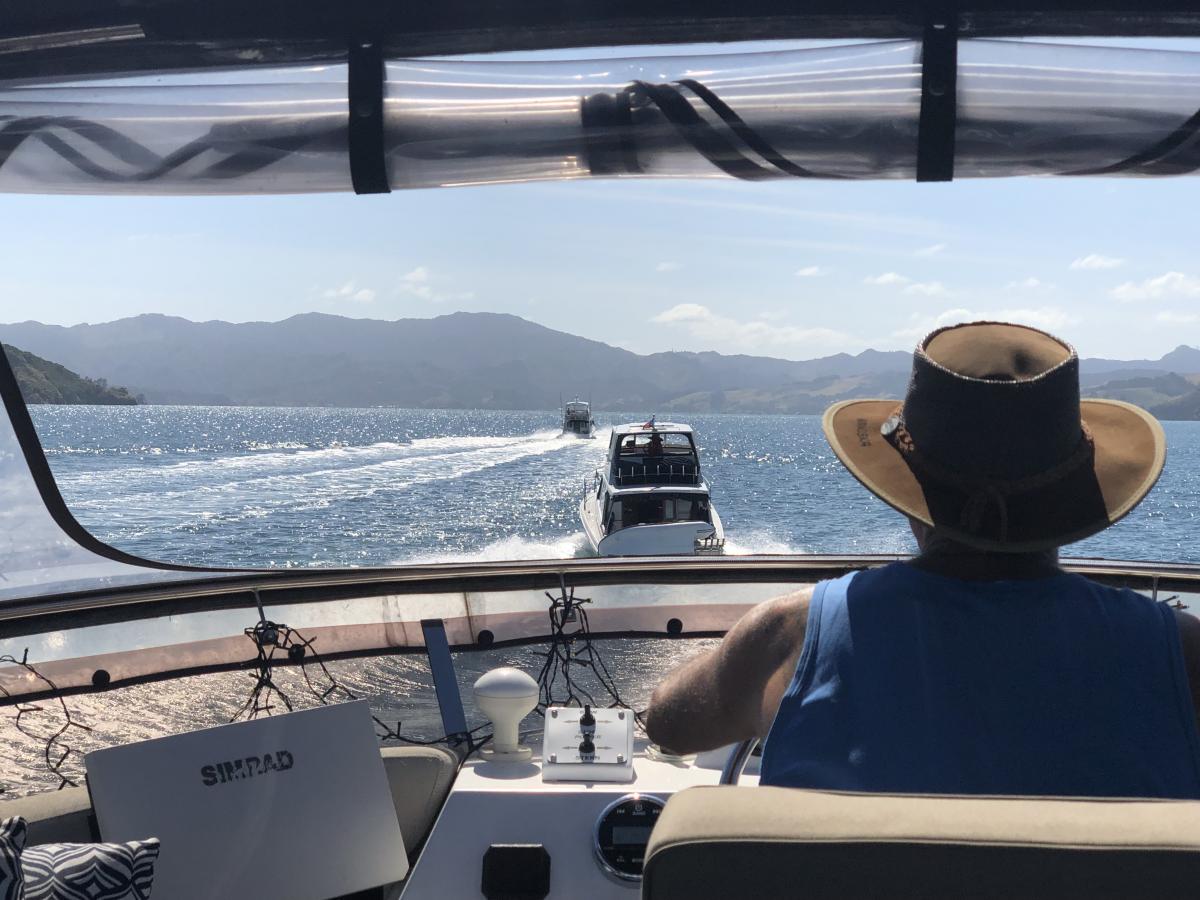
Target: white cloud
x=810, y=272
x=886, y=278
x=1049, y=318
x=1170, y=284
x=751, y=336
x=1028, y=284
x=1096, y=261
x=931, y=250
x=1170, y=317
x=350, y=291
x=928, y=289
x=683, y=312
x=419, y=283
x=772, y=315
x=668, y=267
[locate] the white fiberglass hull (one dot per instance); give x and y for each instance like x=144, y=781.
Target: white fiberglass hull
x=668, y=539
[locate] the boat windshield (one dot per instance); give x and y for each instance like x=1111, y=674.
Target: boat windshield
x=654, y=458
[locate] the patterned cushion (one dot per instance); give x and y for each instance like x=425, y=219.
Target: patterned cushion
x=90, y=871
x=12, y=841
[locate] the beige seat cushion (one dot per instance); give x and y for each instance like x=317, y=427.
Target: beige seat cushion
x=420, y=779
x=781, y=842
x=54, y=817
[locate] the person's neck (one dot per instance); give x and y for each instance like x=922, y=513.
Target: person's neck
x=944, y=557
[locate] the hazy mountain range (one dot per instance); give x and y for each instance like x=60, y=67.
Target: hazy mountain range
x=495, y=361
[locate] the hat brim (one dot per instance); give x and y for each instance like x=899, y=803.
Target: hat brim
x=1130, y=450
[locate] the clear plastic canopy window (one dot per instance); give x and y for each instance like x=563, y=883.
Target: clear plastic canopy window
x=37, y=558
x=849, y=111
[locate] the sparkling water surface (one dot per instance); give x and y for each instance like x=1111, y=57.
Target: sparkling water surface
x=322, y=487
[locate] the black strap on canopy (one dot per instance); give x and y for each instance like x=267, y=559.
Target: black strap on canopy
x=939, y=104
x=368, y=165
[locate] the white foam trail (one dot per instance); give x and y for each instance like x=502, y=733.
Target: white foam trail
x=257, y=461
x=344, y=473
x=765, y=544
x=757, y=543
x=509, y=548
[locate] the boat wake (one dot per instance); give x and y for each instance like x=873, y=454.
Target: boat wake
x=513, y=548
x=575, y=546
x=310, y=478
x=757, y=543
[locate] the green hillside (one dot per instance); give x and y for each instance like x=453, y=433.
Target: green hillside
x=42, y=381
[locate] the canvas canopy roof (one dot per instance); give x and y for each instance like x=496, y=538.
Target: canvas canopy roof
x=75, y=37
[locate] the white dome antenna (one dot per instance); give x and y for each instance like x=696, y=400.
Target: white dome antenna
x=506, y=696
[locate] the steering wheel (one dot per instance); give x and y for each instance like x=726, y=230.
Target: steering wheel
x=738, y=757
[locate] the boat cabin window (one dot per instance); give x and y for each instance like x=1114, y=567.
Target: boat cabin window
x=655, y=458
x=657, y=509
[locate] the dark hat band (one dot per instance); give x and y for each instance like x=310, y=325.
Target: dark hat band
x=983, y=492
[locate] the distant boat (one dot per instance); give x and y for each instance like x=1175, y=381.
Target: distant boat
x=650, y=499
x=577, y=419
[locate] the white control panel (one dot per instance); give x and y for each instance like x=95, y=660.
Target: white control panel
x=587, y=744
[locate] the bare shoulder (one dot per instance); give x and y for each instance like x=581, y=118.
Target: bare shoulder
x=765, y=645
x=777, y=624
x=772, y=635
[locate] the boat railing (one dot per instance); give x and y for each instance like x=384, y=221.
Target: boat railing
x=710, y=544
x=681, y=474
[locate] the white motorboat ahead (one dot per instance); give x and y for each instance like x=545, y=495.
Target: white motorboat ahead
x=650, y=499
x=577, y=419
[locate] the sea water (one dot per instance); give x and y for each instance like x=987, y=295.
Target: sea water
x=238, y=486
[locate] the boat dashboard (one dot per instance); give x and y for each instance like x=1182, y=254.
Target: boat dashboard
x=592, y=835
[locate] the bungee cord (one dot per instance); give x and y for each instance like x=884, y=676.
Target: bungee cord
x=574, y=648
x=237, y=153
x=271, y=638
x=56, y=750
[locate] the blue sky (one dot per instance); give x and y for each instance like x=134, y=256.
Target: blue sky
x=786, y=269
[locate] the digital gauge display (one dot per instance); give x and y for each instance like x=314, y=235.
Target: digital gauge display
x=622, y=833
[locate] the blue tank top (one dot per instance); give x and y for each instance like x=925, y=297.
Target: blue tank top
x=910, y=682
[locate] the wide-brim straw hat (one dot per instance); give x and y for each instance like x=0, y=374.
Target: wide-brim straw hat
x=992, y=445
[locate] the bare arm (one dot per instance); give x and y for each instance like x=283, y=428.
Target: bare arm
x=731, y=692
x=1189, y=635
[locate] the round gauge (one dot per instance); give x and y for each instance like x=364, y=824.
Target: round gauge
x=622, y=833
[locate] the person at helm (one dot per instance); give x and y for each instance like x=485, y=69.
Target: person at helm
x=979, y=666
